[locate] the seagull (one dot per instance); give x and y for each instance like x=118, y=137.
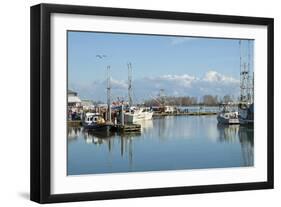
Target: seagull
x=100, y=56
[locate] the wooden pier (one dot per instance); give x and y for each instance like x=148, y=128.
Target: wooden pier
x=127, y=128
x=201, y=113
x=74, y=123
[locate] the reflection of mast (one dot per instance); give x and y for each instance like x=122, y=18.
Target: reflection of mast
x=228, y=133
x=130, y=153
x=108, y=94
x=109, y=145
x=127, y=146
x=130, y=84
x=246, y=138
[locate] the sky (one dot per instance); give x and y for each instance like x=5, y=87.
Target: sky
x=182, y=66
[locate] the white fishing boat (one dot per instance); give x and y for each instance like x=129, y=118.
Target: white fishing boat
x=227, y=115
x=135, y=114
x=138, y=114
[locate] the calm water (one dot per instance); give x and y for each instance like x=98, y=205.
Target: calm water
x=168, y=143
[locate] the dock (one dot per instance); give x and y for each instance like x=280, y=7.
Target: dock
x=202, y=113
x=74, y=123
x=127, y=128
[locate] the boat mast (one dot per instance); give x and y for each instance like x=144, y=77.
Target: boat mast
x=251, y=74
x=162, y=97
x=246, y=81
x=108, y=94
x=130, y=84
x=249, y=88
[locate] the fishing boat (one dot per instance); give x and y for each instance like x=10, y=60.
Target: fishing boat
x=246, y=113
x=246, y=105
x=137, y=114
x=227, y=115
x=94, y=121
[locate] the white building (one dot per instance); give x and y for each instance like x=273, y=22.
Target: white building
x=72, y=99
x=87, y=105
x=170, y=109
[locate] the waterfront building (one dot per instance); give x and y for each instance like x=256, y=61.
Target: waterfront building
x=72, y=99
x=87, y=105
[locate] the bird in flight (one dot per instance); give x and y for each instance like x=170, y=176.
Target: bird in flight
x=100, y=56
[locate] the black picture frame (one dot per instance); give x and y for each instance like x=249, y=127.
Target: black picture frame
x=41, y=99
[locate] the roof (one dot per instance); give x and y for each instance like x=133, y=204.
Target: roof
x=87, y=102
x=71, y=92
x=73, y=99
x=92, y=114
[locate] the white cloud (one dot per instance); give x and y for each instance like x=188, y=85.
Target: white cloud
x=211, y=82
x=213, y=76
x=180, y=40
x=120, y=84
x=184, y=80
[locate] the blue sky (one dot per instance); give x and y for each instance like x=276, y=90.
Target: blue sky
x=180, y=65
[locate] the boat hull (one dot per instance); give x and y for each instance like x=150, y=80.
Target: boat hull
x=133, y=118
x=246, y=121
x=227, y=120
x=246, y=114
x=97, y=127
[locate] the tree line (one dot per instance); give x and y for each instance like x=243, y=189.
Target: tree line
x=207, y=100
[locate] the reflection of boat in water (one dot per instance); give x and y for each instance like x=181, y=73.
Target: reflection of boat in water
x=138, y=114
x=246, y=138
x=146, y=124
x=101, y=134
x=73, y=133
x=227, y=115
x=242, y=134
x=94, y=121
x=98, y=137
x=228, y=133
x=246, y=113
x=130, y=135
x=112, y=140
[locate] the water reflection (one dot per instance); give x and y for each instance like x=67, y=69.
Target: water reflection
x=73, y=133
x=167, y=143
x=228, y=133
x=245, y=136
x=168, y=127
x=97, y=137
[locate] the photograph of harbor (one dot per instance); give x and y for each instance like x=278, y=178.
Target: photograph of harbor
x=147, y=102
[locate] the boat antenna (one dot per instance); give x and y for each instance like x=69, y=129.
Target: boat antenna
x=162, y=97
x=243, y=76
x=130, y=84
x=108, y=93
x=249, y=84
x=246, y=81
x=251, y=69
